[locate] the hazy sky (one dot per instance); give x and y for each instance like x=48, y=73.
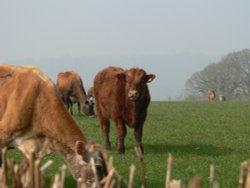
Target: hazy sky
x=171, y=38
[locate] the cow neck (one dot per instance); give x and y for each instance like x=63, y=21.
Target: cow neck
x=131, y=112
x=82, y=97
x=59, y=125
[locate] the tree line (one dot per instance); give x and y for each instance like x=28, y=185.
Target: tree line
x=230, y=76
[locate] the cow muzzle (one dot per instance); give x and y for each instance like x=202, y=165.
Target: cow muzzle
x=133, y=95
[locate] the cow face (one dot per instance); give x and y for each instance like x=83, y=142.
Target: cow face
x=95, y=152
x=136, y=83
x=88, y=108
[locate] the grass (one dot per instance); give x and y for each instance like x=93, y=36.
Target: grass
x=196, y=133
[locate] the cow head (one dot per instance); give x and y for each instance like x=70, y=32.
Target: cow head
x=84, y=154
x=136, y=82
x=88, y=108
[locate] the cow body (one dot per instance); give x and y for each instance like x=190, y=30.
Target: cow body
x=211, y=95
x=70, y=88
x=33, y=118
x=123, y=96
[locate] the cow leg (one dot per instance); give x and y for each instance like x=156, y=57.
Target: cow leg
x=78, y=108
x=68, y=106
x=121, y=134
x=138, y=137
x=71, y=108
x=105, y=126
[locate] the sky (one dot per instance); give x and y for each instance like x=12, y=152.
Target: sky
x=170, y=38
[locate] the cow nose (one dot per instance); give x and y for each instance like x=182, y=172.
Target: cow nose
x=133, y=95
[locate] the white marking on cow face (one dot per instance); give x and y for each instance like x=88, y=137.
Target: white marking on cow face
x=133, y=95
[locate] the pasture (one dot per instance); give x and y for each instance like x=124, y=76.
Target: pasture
x=196, y=133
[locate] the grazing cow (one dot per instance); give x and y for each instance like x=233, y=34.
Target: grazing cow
x=71, y=90
x=222, y=97
x=211, y=95
x=34, y=119
x=91, y=99
x=123, y=96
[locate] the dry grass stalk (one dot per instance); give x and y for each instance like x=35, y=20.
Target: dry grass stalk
x=46, y=165
x=33, y=176
x=248, y=176
x=243, y=172
x=131, y=176
x=4, y=169
x=37, y=174
x=169, y=170
x=16, y=178
x=143, y=172
x=93, y=167
x=213, y=183
x=108, y=180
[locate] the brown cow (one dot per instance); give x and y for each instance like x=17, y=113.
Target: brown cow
x=70, y=88
x=34, y=119
x=123, y=96
x=211, y=95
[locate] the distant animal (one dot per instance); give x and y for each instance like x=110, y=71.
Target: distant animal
x=123, y=96
x=91, y=99
x=70, y=89
x=211, y=95
x=222, y=97
x=34, y=119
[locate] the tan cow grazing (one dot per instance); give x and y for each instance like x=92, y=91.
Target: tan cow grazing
x=34, y=119
x=211, y=95
x=70, y=88
x=123, y=96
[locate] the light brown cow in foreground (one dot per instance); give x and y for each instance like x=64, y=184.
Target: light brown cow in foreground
x=33, y=118
x=123, y=96
x=211, y=95
x=70, y=88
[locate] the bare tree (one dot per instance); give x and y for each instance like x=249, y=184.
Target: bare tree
x=230, y=76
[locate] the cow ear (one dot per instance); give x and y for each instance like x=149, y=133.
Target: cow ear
x=150, y=78
x=79, y=147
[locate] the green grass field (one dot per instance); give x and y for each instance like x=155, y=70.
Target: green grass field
x=196, y=133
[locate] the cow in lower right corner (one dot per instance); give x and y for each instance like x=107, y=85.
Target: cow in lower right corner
x=123, y=96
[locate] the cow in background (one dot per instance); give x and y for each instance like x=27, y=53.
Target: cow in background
x=123, y=96
x=211, y=95
x=222, y=97
x=34, y=119
x=91, y=99
x=70, y=89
